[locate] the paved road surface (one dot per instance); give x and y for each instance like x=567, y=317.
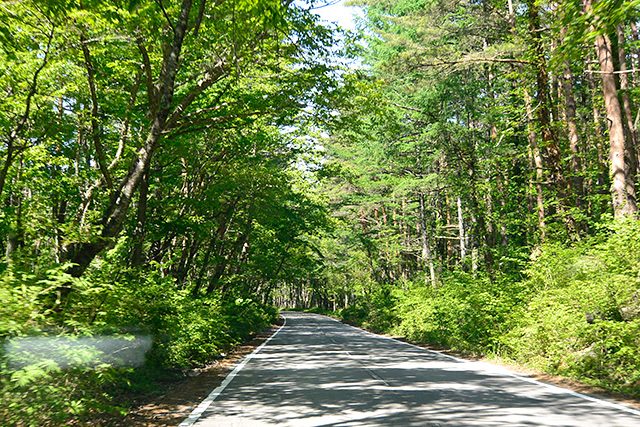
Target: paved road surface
x=318, y=372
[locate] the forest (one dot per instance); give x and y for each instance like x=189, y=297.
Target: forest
x=174, y=172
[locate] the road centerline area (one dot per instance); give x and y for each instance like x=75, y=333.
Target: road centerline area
x=318, y=372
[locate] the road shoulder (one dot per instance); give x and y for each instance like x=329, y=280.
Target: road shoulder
x=181, y=398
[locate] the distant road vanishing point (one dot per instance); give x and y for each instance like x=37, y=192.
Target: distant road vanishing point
x=316, y=371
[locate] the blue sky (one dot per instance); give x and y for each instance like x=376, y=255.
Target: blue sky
x=337, y=12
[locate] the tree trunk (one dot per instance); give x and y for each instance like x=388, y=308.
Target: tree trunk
x=461, y=230
x=538, y=167
x=427, y=258
x=5, y=167
x=631, y=129
x=139, y=233
x=596, y=139
x=15, y=238
x=622, y=188
x=81, y=254
x=221, y=266
x=572, y=130
x=96, y=133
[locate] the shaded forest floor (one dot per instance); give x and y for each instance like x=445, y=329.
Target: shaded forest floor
x=179, y=397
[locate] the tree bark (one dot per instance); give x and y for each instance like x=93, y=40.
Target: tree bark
x=140, y=232
x=596, y=139
x=574, y=135
x=631, y=129
x=96, y=132
x=81, y=254
x=461, y=231
x=427, y=257
x=221, y=266
x=622, y=187
x=536, y=158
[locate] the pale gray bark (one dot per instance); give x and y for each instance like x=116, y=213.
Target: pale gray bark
x=82, y=254
x=463, y=237
x=427, y=257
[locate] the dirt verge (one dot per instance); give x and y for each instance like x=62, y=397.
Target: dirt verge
x=543, y=377
x=182, y=397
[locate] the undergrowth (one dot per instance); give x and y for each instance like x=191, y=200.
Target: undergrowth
x=57, y=366
x=576, y=312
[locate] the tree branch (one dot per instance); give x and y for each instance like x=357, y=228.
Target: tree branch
x=13, y=135
x=95, y=127
x=152, y=96
x=166, y=15
x=209, y=80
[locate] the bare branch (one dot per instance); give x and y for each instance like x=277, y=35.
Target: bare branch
x=95, y=127
x=152, y=97
x=199, y=19
x=166, y=15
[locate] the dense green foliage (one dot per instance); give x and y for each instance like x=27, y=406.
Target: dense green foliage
x=482, y=182
x=186, y=332
x=174, y=170
x=151, y=189
x=575, y=313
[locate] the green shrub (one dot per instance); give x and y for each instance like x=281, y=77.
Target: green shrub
x=582, y=317
x=186, y=331
x=375, y=310
x=465, y=312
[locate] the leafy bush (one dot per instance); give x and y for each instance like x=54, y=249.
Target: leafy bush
x=39, y=389
x=376, y=311
x=465, y=312
x=582, y=319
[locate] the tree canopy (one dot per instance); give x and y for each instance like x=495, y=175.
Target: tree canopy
x=460, y=172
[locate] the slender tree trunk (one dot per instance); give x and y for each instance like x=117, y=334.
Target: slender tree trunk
x=472, y=240
x=96, y=133
x=461, y=230
x=202, y=271
x=140, y=232
x=622, y=188
x=596, y=139
x=82, y=254
x=15, y=237
x=539, y=168
x=5, y=167
x=500, y=184
x=631, y=128
x=221, y=266
x=427, y=258
x=449, y=243
x=574, y=135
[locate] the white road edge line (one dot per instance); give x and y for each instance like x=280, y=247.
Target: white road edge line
x=197, y=413
x=529, y=380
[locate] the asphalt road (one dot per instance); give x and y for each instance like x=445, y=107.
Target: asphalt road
x=318, y=372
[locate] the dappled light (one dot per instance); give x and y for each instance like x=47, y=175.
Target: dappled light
x=460, y=174
x=317, y=372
